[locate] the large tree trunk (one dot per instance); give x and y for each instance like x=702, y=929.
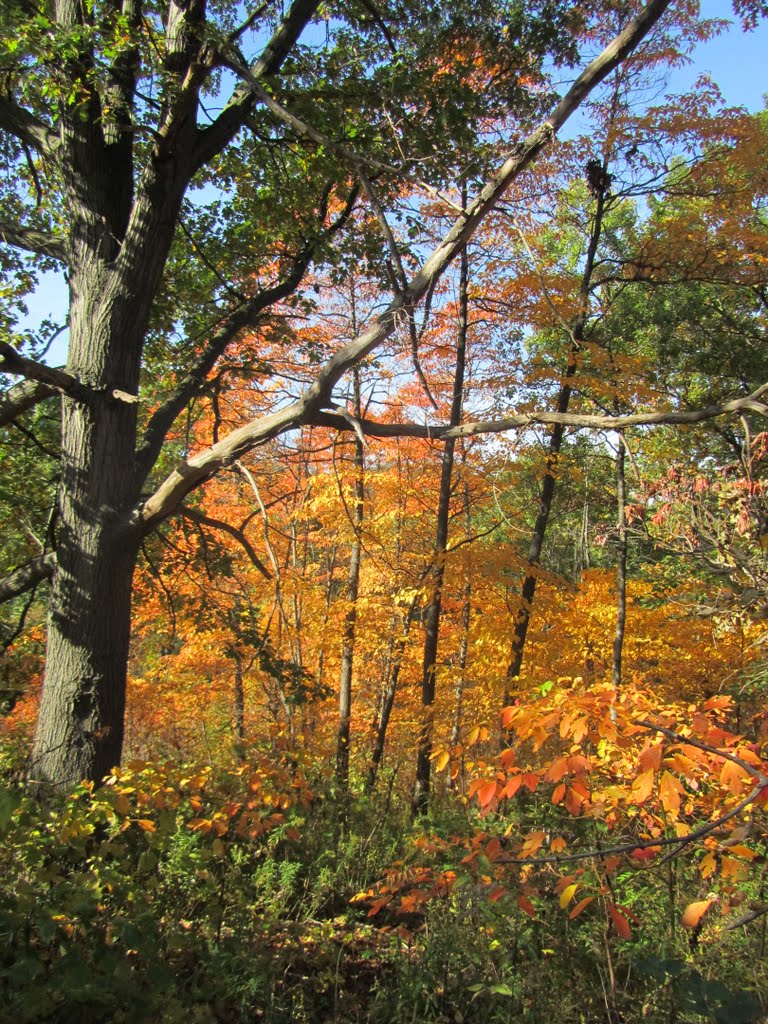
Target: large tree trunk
x=80, y=727
x=113, y=278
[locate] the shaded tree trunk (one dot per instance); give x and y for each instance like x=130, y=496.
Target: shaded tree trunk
x=466, y=615
x=80, y=725
x=350, y=619
x=420, y=802
x=549, y=483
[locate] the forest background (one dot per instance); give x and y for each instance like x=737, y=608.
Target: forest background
x=386, y=592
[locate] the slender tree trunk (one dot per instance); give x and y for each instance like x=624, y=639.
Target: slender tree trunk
x=388, y=698
x=549, y=483
x=326, y=619
x=621, y=563
x=432, y=617
x=239, y=707
x=350, y=619
x=466, y=615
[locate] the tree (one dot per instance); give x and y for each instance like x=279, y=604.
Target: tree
x=106, y=120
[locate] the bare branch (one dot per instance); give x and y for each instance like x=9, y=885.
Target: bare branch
x=255, y=14
x=691, y=741
x=247, y=316
x=21, y=397
x=200, y=468
x=27, y=576
x=441, y=432
x=239, y=536
x=12, y=362
x=44, y=243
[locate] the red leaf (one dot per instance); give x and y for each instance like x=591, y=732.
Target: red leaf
x=581, y=905
x=620, y=923
x=526, y=906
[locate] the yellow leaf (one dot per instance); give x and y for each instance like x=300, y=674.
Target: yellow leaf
x=642, y=787
x=670, y=791
x=708, y=865
x=567, y=894
x=442, y=760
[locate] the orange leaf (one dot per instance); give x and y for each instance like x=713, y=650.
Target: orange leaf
x=486, y=793
x=708, y=865
x=511, y=787
x=650, y=757
x=733, y=777
x=559, y=793
x=573, y=802
x=670, y=791
x=694, y=912
x=493, y=849
x=146, y=825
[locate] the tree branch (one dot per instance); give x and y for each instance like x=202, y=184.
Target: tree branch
x=213, y=139
x=21, y=397
x=750, y=403
x=239, y=536
x=44, y=243
x=195, y=471
x=248, y=316
x=27, y=127
x=27, y=576
x=12, y=362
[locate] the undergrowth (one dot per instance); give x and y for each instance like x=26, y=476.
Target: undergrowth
x=177, y=893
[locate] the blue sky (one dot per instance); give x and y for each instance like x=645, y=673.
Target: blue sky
x=737, y=62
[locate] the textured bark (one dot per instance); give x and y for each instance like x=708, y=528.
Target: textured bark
x=432, y=616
